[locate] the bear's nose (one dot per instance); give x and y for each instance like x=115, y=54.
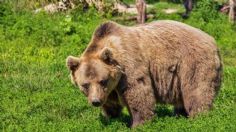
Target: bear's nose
x=96, y=102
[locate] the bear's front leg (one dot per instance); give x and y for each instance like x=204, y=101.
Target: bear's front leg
x=140, y=100
x=111, y=110
x=112, y=107
x=178, y=111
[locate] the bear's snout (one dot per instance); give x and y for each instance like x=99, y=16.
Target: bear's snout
x=96, y=102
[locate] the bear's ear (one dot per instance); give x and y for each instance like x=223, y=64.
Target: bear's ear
x=72, y=62
x=106, y=55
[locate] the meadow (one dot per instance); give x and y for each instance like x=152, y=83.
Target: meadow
x=35, y=89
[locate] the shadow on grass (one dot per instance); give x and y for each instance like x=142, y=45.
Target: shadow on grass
x=161, y=112
x=122, y=119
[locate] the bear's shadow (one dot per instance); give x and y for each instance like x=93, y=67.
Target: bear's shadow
x=163, y=111
x=125, y=119
x=160, y=111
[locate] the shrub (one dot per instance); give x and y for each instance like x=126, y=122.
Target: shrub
x=207, y=10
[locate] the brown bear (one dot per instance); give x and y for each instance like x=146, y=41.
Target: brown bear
x=136, y=67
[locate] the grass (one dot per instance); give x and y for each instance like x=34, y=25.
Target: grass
x=35, y=89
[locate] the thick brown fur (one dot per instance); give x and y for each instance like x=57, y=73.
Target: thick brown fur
x=160, y=62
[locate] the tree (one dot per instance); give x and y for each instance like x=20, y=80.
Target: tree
x=141, y=8
x=188, y=4
x=232, y=10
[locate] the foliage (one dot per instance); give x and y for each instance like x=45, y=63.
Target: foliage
x=28, y=4
x=206, y=8
x=36, y=93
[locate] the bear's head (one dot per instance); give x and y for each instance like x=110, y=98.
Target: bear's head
x=96, y=72
x=96, y=75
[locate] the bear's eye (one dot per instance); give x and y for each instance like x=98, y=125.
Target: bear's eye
x=104, y=82
x=85, y=85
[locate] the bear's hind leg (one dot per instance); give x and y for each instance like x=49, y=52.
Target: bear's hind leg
x=194, y=107
x=198, y=97
x=199, y=84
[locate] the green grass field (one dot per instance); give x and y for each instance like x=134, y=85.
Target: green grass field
x=35, y=89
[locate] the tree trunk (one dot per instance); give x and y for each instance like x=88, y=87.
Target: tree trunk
x=232, y=10
x=141, y=8
x=188, y=4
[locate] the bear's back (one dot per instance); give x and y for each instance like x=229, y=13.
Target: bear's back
x=165, y=38
x=169, y=30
